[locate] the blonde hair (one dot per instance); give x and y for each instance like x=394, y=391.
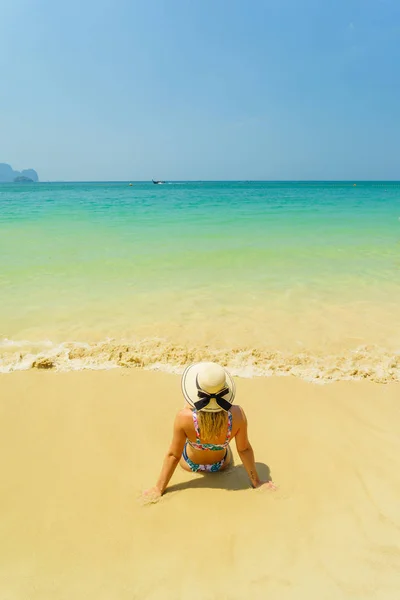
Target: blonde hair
x=211, y=424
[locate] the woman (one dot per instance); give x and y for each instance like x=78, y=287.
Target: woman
x=204, y=429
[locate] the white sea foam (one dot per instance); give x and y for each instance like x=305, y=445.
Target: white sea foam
x=366, y=362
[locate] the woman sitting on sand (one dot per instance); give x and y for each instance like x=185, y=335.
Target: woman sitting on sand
x=204, y=429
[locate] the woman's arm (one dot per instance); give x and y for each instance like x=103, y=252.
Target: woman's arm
x=171, y=459
x=246, y=453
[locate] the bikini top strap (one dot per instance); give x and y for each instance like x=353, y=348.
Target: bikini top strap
x=196, y=426
x=229, y=432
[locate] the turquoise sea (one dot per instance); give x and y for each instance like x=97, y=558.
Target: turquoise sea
x=295, y=278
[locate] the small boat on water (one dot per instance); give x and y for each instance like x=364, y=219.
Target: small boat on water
x=157, y=182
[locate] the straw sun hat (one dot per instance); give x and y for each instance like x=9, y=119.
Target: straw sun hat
x=208, y=387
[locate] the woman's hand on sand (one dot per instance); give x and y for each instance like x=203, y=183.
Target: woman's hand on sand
x=151, y=496
x=266, y=485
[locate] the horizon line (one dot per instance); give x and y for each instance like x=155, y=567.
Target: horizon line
x=216, y=181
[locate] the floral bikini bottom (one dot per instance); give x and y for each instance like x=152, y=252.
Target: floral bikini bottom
x=210, y=468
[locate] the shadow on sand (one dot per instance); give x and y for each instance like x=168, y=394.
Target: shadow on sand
x=234, y=478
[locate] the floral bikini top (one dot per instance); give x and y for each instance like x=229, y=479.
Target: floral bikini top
x=197, y=445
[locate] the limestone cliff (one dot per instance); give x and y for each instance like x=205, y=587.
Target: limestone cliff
x=8, y=175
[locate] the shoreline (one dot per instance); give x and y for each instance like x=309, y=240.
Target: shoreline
x=78, y=448
x=365, y=362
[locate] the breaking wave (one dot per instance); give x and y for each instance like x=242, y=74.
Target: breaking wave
x=366, y=362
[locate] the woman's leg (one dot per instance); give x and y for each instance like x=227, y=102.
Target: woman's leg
x=184, y=465
x=228, y=459
x=184, y=461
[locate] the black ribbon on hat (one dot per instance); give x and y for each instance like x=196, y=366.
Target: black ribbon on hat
x=205, y=398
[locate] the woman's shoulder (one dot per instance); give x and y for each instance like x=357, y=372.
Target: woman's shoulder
x=184, y=416
x=238, y=413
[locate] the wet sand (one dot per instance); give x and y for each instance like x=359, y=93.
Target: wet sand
x=77, y=448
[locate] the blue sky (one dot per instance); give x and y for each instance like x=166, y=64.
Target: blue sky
x=201, y=89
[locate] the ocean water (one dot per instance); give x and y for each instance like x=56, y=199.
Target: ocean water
x=297, y=278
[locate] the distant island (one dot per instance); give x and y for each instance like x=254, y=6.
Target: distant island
x=8, y=175
x=23, y=179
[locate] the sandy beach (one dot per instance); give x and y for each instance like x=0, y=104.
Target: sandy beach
x=77, y=448
x=188, y=182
